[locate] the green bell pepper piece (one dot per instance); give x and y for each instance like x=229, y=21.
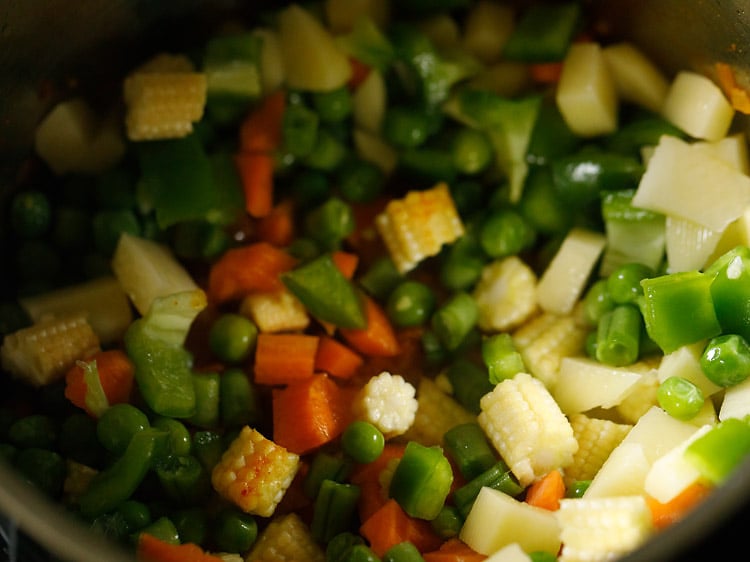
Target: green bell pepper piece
x=581, y=178
x=677, y=309
x=115, y=484
x=645, y=131
x=422, y=481
x=730, y=291
x=719, y=451
x=326, y=293
x=231, y=64
x=178, y=179
x=163, y=367
x=509, y=123
x=551, y=137
x=544, y=32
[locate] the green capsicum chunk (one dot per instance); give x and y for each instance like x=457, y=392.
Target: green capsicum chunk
x=720, y=450
x=644, y=131
x=580, y=178
x=232, y=67
x=509, y=124
x=177, y=178
x=677, y=309
x=422, y=481
x=115, y=484
x=163, y=367
x=430, y=74
x=730, y=291
x=326, y=293
x=551, y=136
x=544, y=32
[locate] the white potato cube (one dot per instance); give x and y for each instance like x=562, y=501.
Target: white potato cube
x=698, y=106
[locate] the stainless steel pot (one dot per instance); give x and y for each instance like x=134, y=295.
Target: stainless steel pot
x=49, y=46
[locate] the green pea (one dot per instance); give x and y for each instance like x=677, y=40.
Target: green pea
x=118, y=424
x=334, y=105
x=411, y=303
x=234, y=531
x=35, y=430
x=135, y=514
x=405, y=127
x=726, y=360
x=597, y=301
x=191, y=524
x=43, y=468
x=680, y=398
x=624, y=283
x=360, y=181
x=506, y=233
x=30, y=214
x=232, y=337
x=362, y=441
x=471, y=150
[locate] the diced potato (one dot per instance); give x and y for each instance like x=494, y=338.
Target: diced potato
x=658, y=432
x=698, y=106
x=487, y=27
x=736, y=234
x=369, y=101
x=497, y=520
x=736, y=403
x=684, y=180
x=672, y=473
x=71, y=138
x=146, y=270
x=562, y=283
x=586, y=94
x=688, y=244
x=685, y=362
x=311, y=58
x=731, y=149
x=583, y=384
x=622, y=474
x=102, y=301
x=510, y=553
x=636, y=77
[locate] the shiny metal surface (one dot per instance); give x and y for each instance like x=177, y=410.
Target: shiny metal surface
x=49, y=46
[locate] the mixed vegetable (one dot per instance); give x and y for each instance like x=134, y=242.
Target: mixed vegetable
x=410, y=281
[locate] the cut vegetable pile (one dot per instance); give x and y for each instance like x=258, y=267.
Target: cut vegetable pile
x=372, y=281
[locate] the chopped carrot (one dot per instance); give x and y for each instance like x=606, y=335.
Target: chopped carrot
x=261, y=129
x=152, y=549
x=346, y=262
x=546, y=72
x=453, y=550
x=336, y=359
x=256, y=171
x=309, y=413
x=248, y=269
x=284, y=358
x=664, y=514
x=278, y=226
x=116, y=373
x=360, y=71
x=378, y=337
x=547, y=491
x=738, y=96
x=367, y=476
x=391, y=525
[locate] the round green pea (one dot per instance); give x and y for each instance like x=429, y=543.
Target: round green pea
x=180, y=440
x=411, y=303
x=726, y=360
x=30, y=214
x=234, y=531
x=624, y=283
x=118, y=424
x=362, y=441
x=680, y=398
x=232, y=337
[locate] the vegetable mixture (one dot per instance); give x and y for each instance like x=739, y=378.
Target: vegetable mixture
x=363, y=281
